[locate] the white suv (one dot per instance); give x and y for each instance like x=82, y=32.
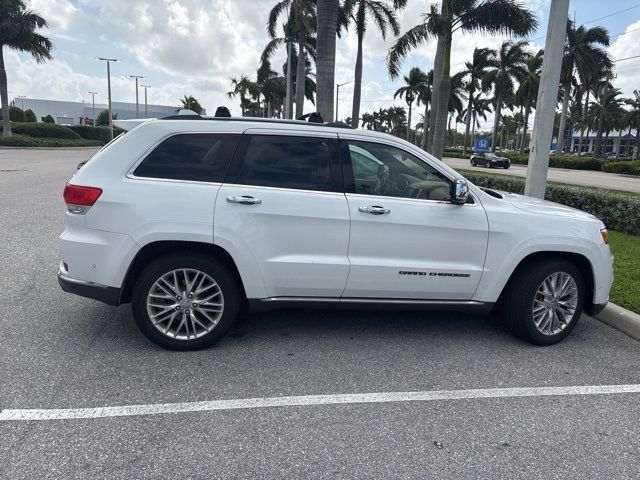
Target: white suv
x=191, y=218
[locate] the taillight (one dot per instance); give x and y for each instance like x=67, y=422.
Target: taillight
x=79, y=198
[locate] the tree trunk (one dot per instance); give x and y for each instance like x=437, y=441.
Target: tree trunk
x=467, y=123
x=435, y=89
x=525, y=127
x=6, y=125
x=425, y=127
x=598, y=145
x=440, y=125
x=519, y=130
x=300, y=73
x=563, y=120
x=496, y=123
x=327, y=13
x=357, y=87
x=627, y=152
x=584, y=123
x=409, y=122
x=635, y=157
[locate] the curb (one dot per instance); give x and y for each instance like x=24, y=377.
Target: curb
x=621, y=319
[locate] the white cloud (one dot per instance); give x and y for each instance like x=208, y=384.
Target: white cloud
x=627, y=71
x=58, y=13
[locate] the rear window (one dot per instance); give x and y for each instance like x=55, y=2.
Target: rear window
x=200, y=157
x=288, y=162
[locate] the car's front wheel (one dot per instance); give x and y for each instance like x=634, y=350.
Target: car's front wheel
x=544, y=301
x=185, y=301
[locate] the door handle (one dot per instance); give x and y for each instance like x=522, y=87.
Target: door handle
x=374, y=210
x=244, y=200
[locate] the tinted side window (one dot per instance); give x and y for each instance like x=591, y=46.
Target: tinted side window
x=385, y=170
x=288, y=162
x=201, y=157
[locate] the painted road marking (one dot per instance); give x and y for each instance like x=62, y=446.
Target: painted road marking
x=310, y=400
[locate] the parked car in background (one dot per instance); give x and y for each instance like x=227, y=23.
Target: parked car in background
x=489, y=160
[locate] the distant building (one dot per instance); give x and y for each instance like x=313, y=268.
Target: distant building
x=618, y=142
x=74, y=113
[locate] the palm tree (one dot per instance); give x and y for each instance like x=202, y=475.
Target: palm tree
x=634, y=122
x=484, y=16
x=327, y=22
x=302, y=22
x=383, y=14
x=472, y=76
x=189, y=102
x=18, y=31
x=508, y=66
x=583, y=56
x=413, y=84
x=241, y=88
x=527, y=92
x=604, y=115
x=482, y=107
x=425, y=96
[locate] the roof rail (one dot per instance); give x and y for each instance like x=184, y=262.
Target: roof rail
x=281, y=121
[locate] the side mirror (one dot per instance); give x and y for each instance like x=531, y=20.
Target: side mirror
x=460, y=192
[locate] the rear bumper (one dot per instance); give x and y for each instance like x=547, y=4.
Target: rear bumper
x=102, y=293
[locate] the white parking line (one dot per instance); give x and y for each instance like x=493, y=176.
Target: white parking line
x=310, y=400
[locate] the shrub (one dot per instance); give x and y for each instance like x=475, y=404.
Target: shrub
x=48, y=119
x=103, y=118
x=30, y=116
x=619, y=211
x=16, y=114
x=95, y=133
x=45, y=130
x=562, y=161
x=18, y=140
x=626, y=167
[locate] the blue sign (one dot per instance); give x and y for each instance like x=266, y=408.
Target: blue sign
x=482, y=145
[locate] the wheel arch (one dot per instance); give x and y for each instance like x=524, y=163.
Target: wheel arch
x=154, y=250
x=577, y=259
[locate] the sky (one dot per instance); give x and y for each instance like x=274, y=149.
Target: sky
x=195, y=47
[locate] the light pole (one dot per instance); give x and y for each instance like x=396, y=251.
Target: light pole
x=109, y=60
x=137, y=107
x=145, y=98
x=338, y=85
x=536, y=183
x=93, y=106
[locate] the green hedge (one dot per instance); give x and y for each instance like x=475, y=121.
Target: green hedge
x=95, y=133
x=626, y=167
x=18, y=140
x=618, y=211
x=562, y=161
x=44, y=130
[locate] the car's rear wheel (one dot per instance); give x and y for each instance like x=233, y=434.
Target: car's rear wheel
x=544, y=301
x=473, y=163
x=185, y=301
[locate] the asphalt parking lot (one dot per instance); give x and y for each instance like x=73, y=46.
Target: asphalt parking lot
x=58, y=351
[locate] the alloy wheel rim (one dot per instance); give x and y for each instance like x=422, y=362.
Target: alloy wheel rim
x=555, y=303
x=185, y=304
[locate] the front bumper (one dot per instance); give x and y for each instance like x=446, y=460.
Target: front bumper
x=102, y=293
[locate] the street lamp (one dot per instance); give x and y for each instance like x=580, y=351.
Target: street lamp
x=93, y=106
x=109, y=60
x=145, y=98
x=137, y=108
x=338, y=85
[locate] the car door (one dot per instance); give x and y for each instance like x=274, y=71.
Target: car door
x=283, y=204
x=408, y=241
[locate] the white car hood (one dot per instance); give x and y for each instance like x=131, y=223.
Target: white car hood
x=536, y=205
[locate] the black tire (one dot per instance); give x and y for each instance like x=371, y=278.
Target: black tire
x=473, y=163
x=507, y=167
x=227, y=282
x=517, y=307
